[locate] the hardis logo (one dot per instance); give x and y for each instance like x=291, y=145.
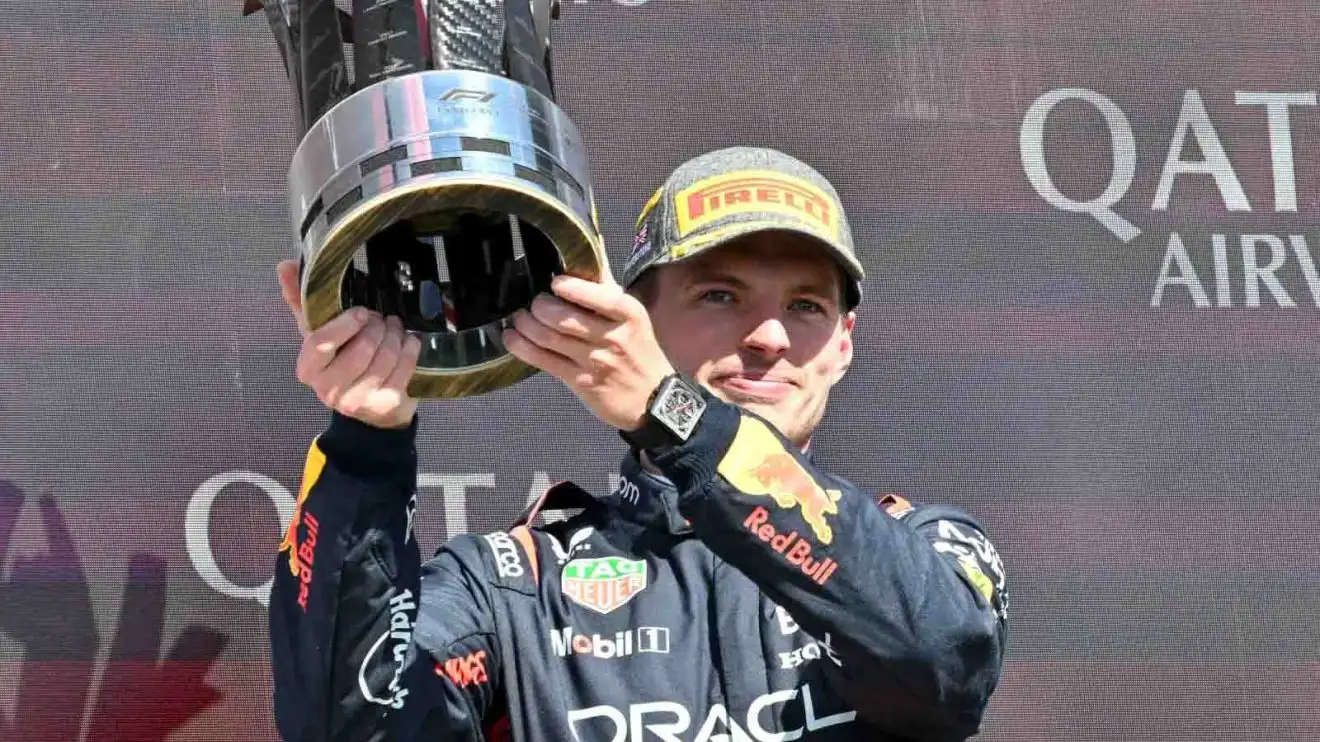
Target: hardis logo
x=402, y=608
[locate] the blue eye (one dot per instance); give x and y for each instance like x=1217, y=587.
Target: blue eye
x=807, y=305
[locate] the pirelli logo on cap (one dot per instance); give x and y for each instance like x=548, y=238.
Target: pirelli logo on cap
x=743, y=191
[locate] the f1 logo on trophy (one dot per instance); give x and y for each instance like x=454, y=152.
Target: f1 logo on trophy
x=441, y=183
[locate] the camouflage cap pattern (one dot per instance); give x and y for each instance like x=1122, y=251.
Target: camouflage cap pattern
x=729, y=193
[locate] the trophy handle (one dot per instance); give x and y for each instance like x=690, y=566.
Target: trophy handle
x=544, y=11
x=526, y=48
x=389, y=39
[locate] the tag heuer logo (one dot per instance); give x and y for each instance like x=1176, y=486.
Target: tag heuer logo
x=603, y=584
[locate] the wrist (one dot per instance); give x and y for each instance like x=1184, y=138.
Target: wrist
x=370, y=451
x=693, y=464
x=673, y=411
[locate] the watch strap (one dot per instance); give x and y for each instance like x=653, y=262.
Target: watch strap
x=655, y=435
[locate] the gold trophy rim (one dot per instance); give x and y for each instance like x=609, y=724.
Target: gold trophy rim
x=579, y=245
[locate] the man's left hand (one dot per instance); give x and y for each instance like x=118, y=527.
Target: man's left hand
x=597, y=339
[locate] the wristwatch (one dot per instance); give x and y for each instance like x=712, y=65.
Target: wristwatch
x=672, y=414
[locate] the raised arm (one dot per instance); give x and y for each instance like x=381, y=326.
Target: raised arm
x=368, y=644
x=911, y=604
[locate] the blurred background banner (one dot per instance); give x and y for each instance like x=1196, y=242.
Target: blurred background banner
x=1091, y=321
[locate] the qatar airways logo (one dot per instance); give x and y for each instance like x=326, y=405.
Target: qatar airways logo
x=1201, y=267
x=255, y=489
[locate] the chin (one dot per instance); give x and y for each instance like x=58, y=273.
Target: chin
x=773, y=414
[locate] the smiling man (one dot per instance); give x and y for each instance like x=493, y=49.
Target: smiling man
x=729, y=589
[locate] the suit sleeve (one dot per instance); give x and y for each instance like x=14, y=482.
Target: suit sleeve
x=912, y=608
x=368, y=644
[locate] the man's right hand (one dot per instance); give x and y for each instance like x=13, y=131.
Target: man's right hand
x=358, y=363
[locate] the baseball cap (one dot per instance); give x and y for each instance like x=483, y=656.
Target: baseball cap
x=729, y=193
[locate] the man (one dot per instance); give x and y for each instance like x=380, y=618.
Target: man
x=729, y=589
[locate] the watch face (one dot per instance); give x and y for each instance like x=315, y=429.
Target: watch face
x=680, y=409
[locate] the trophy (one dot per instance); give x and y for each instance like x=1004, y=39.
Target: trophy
x=436, y=178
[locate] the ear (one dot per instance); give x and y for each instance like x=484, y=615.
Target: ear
x=846, y=325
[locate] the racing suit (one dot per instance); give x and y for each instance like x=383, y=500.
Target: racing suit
x=732, y=592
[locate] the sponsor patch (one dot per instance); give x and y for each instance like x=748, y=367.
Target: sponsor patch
x=792, y=547
x=402, y=607
x=577, y=542
x=758, y=464
x=465, y=671
x=641, y=640
x=411, y=513
x=896, y=505
x=974, y=573
x=788, y=625
x=977, y=560
x=628, y=491
x=302, y=554
x=507, y=562
x=755, y=191
x=808, y=652
x=603, y=584
x=670, y=720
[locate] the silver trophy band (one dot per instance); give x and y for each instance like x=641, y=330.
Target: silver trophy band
x=449, y=110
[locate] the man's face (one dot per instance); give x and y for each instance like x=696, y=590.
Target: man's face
x=759, y=322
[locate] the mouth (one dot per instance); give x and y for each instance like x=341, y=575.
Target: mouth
x=755, y=387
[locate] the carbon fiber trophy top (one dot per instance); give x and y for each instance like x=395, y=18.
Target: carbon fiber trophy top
x=468, y=35
x=436, y=179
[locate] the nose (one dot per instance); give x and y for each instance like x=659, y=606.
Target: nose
x=768, y=338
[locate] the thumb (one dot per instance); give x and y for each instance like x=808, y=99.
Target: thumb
x=287, y=272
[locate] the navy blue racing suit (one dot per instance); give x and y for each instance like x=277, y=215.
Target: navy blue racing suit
x=737, y=593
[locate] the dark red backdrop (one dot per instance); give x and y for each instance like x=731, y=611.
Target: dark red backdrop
x=1146, y=465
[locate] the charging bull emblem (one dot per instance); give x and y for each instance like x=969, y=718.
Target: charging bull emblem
x=758, y=464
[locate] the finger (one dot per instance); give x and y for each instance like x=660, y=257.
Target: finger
x=570, y=319
x=607, y=279
x=606, y=299
x=287, y=272
x=403, y=370
x=549, y=338
x=532, y=354
x=382, y=364
x=321, y=346
x=350, y=362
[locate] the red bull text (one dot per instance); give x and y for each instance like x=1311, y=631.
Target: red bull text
x=794, y=549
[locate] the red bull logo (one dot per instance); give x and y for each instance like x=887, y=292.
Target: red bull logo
x=757, y=464
x=302, y=555
x=290, y=541
x=791, y=546
x=788, y=484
